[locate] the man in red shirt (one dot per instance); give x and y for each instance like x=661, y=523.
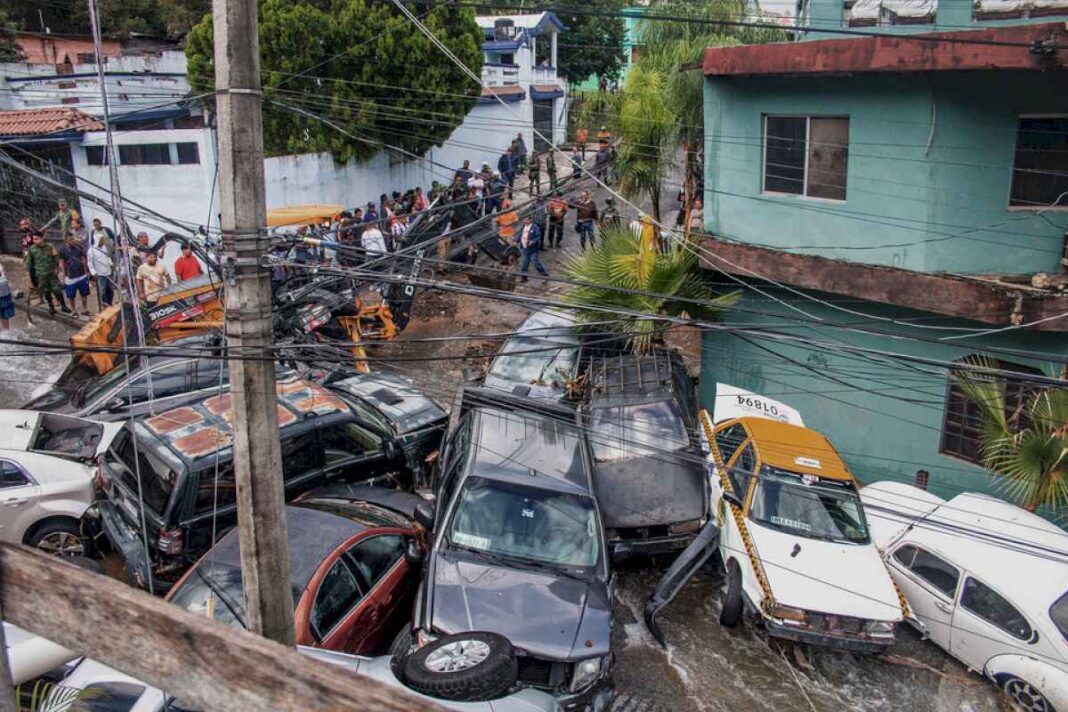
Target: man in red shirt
x=187, y=266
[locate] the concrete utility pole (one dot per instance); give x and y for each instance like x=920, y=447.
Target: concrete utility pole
x=257, y=462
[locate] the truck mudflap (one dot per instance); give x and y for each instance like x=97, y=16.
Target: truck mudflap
x=682, y=569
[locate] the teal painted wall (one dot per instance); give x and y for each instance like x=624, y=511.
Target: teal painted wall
x=950, y=16
x=942, y=208
x=884, y=416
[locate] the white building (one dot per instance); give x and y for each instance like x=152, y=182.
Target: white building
x=165, y=145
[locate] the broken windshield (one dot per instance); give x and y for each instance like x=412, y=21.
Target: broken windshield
x=213, y=590
x=534, y=360
x=808, y=507
x=629, y=431
x=525, y=524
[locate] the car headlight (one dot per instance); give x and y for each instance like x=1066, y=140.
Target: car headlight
x=584, y=673
x=879, y=627
x=788, y=613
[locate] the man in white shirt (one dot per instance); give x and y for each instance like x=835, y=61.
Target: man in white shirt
x=373, y=242
x=99, y=259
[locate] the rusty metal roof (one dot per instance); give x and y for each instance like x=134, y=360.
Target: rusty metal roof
x=510, y=90
x=38, y=122
x=201, y=428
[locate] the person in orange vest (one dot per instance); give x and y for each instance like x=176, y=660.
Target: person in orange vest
x=581, y=136
x=506, y=224
x=604, y=135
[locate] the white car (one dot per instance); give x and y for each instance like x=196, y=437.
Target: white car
x=987, y=580
x=792, y=530
x=112, y=691
x=46, y=477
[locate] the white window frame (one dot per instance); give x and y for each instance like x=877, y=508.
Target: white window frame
x=1060, y=207
x=808, y=132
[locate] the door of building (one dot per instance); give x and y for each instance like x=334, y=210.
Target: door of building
x=543, y=124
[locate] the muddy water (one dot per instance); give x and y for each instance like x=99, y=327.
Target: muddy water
x=709, y=668
x=24, y=374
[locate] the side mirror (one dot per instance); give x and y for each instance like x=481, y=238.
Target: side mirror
x=424, y=515
x=621, y=551
x=732, y=499
x=113, y=405
x=413, y=554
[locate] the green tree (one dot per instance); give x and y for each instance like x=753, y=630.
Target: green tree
x=619, y=262
x=9, y=48
x=360, y=65
x=647, y=128
x=1026, y=448
x=170, y=19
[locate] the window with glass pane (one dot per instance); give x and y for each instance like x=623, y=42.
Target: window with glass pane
x=346, y=441
x=338, y=594
x=216, y=489
x=95, y=156
x=962, y=418
x=1040, y=167
x=375, y=556
x=106, y=697
x=741, y=471
x=806, y=155
x=145, y=154
x=936, y=572
x=905, y=555
x=11, y=475
x=729, y=440
x=187, y=153
x=992, y=607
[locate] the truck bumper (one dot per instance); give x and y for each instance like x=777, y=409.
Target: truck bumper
x=126, y=541
x=834, y=641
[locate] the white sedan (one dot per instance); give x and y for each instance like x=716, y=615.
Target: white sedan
x=46, y=477
x=987, y=580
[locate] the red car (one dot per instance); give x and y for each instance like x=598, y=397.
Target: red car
x=353, y=553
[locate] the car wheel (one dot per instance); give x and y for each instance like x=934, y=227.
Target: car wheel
x=399, y=650
x=466, y=667
x=731, y=613
x=1024, y=696
x=59, y=537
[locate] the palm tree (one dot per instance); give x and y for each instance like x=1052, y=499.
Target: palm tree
x=1027, y=448
x=619, y=262
x=647, y=129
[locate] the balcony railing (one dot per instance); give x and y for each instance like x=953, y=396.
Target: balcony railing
x=496, y=75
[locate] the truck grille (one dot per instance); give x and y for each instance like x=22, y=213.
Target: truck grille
x=830, y=623
x=546, y=674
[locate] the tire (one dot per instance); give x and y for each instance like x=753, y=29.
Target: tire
x=731, y=613
x=1023, y=696
x=467, y=667
x=399, y=650
x=86, y=563
x=62, y=537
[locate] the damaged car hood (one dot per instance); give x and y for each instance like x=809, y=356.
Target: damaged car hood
x=826, y=576
x=544, y=614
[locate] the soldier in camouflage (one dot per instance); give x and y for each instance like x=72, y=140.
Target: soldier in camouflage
x=42, y=263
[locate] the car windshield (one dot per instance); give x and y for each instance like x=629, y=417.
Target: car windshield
x=534, y=360
x=1059, y=613
x=526, y=524
x=629, y=431
x=213, y=590
x=156, y=479
x=102, y=697
x=808, y=506
x=90, y=391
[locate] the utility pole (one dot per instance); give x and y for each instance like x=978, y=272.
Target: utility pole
x=257, y=462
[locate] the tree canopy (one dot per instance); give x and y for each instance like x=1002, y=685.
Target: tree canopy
x=118, y=18
x=361, y=66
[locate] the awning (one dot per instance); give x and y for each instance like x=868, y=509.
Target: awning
x=510, y=92
x=545, y=91
x=302, y=214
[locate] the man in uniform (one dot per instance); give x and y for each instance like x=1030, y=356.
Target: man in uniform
x=535, y=175
x=65, y=216
x=550, y=168
x=42, y=263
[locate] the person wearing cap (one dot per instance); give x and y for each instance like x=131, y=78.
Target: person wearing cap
x=604, y=135
x=529, y=244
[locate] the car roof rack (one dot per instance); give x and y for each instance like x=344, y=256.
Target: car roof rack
x=622, y=373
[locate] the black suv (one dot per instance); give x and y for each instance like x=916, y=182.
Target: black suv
x=181, y=462
x=640, y=412
x=518, y=546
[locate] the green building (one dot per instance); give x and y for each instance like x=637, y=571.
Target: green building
x=896, y=205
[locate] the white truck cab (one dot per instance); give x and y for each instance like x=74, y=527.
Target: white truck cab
x=793, y=534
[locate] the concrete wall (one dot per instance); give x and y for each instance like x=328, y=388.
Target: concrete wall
x=942, y=208
x=182, y=192
x=884, y=416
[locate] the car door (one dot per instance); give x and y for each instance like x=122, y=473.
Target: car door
x=986, y=624
x=302, y=464
x=351, y=451
x=360, y=590
x=929, y=583
x=19, y=501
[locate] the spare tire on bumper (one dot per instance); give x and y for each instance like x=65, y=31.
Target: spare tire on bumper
x=466, y=667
